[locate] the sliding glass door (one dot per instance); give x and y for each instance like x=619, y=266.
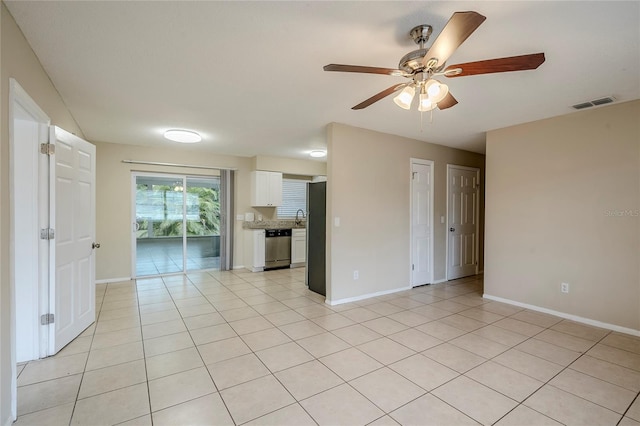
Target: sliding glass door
x=203, y=223
x=177, y=223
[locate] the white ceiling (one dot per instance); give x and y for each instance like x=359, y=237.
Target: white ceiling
x=248, y=75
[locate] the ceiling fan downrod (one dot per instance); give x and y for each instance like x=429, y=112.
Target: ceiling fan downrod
x=412, y=62
x=420, y=34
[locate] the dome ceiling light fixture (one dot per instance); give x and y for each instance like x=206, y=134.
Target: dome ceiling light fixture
x=182, y=136
x=318, y=153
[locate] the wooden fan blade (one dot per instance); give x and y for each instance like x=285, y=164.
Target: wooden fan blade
x=512, y=63
x=361, y=69
x=381, y=95
x=447, y=102
x=454, y=33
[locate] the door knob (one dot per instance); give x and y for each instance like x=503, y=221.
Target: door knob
x=95, y=245
x=452, y=229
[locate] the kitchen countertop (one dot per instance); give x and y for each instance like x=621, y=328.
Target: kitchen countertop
x=274, y=224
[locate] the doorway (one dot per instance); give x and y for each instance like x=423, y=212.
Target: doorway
x=463, y=192
x=52, y=234
x=177, y=223
x=421, y=222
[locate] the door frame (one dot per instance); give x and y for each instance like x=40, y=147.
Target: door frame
x=431, y=164
x=476, y=214
x=19, y=98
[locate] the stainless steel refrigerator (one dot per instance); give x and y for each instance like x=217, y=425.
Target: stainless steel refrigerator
x=316, y=236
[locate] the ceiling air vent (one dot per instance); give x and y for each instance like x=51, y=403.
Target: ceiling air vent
x=595, y=102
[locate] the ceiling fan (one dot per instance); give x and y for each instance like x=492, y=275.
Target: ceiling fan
x=422, y=65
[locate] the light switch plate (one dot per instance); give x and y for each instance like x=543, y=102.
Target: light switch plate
x=336, y=221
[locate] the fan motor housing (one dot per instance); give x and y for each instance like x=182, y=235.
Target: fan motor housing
x=412, y=61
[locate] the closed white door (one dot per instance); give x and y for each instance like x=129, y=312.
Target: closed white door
x=72, y=287
x=421, y=223
x=462, y=211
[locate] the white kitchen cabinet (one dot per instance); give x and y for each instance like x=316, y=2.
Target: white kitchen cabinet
x=266, y=189
x=298, y=247
x=254, y=249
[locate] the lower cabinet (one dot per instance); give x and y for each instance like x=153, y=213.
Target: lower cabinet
x=298, y=247
x=254, y=249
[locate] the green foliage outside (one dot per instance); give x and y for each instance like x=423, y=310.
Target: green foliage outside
x=206, y=209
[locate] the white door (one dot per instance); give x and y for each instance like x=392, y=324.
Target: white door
x=462, y=212
x=421, y=223
x=72, y=287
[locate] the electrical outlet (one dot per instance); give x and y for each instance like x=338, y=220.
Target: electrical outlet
x=564, y=287
x=356, y=275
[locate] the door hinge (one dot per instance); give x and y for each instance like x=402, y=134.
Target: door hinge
x=47, y=148
x=413, y=267
x=46, y=319
x=47, y=234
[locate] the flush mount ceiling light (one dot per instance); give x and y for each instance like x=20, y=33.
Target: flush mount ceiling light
x=317, y=153
x=182, y=136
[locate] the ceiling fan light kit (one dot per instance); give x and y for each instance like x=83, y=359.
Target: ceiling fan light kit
x=423, y=64
x=404, y=99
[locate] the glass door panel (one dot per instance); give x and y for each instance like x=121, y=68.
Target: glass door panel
x=159, y=209
x=203, y=223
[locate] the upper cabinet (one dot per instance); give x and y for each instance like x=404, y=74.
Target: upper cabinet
x=266, y=189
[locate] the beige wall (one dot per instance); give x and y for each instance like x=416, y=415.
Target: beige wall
x=113, y=187
x=19, y=62
x=113, y=196
x=368, y=188
x=290, y=166
x=554, y=190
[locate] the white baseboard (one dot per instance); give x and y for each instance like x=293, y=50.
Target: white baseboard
x=238, y=267
x=113, y=280
x=364, y=296
x=571, y=317
x=439, y=281
x=8, y=422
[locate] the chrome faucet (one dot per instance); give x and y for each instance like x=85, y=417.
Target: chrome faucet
x=298, y=221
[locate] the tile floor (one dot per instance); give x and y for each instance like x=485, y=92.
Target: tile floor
x=236, y=347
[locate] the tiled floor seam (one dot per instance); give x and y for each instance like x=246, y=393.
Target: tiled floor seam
x=512, y=347
x=201, y=359
x=75, y=403
x=446, y=297
x=144, y=355
x=629, y=407
x=268, y=369
x=548, y=382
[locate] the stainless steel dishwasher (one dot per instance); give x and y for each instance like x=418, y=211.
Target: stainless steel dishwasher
x=277, y=252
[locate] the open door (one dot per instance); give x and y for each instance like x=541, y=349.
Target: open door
x=72, y=214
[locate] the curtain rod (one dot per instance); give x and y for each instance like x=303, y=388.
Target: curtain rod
x=154, y=163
